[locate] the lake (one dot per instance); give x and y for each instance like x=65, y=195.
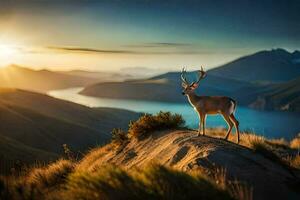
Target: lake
x=269, y=124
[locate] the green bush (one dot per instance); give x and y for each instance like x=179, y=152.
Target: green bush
x=149, y=123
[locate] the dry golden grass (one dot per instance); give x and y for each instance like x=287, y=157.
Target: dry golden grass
x=273, y=149
x=36, y=183
x=296, y=162
x=295, y=143
x=111, y=182
x=50, y=175
x=152, y=182
x=63, y=180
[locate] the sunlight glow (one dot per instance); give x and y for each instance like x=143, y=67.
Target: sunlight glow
x=8, y=54
x=7, y=50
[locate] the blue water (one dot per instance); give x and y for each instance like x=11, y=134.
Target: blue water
x=269, y=124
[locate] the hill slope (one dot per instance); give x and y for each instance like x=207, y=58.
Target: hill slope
x=40, y=80
x=15, y=154
x=43, y=123
x=183, y=150
x=285, y=96
x=265, y=66
x=165, y=87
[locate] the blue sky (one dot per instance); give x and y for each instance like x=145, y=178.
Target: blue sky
x=148, y=33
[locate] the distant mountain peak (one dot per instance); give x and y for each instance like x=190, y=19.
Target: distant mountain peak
x=266, y=66
x=296, y=54
x=281, y=50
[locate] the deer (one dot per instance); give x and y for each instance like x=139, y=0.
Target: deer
x=210, y=105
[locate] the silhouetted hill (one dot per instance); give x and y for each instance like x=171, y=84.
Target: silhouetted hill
x=285, y=96
x=265, y=66
x=100, y=76
x=44, y=123
x=165, y=87
x=40, y=80
x=15, y=154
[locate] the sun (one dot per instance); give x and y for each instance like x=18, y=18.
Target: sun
x=8, y=54
x=7, y=50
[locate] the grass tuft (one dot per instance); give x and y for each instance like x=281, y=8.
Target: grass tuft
x=295, y=143
x=50, y=175
x=294, y=161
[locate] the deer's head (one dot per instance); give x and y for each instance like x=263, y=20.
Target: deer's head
x=189, y=88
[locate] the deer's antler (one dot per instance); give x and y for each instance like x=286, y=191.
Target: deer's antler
x=202, y=75
x=183, y=77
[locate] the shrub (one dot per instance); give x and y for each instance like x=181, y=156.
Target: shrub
x=69, y=154
x=148, y=123
x=119, y=136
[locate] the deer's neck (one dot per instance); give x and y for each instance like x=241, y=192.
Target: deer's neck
x=193, y=99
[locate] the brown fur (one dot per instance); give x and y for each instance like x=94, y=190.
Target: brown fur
x=210, y=105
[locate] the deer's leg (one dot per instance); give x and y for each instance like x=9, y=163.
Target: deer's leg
x=201, y=124
x=236, y=125
x=203, y=118
x=230, y=124
x=199, y=128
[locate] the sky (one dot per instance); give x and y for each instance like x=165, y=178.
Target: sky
x=159, y=35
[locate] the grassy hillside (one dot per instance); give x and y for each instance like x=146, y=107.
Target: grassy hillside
x=285, y=96
x=40, y=80
x=167, y=161
x=43, y=124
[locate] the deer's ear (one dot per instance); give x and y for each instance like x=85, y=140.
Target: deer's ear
x=194, y=86
x=183, y=85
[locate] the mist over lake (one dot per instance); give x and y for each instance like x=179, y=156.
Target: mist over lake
x=267, y=123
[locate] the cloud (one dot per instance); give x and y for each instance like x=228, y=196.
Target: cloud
x=158, y=45
x=90, y=50
x=125, y=51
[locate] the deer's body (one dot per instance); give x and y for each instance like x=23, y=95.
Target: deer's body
x=209, y=105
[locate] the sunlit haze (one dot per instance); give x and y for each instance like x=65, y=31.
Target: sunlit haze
x=110, y=35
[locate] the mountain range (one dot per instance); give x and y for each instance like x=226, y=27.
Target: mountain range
x=277, y=65
x=15, y=76
x=285, y=96
x=245, y=79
